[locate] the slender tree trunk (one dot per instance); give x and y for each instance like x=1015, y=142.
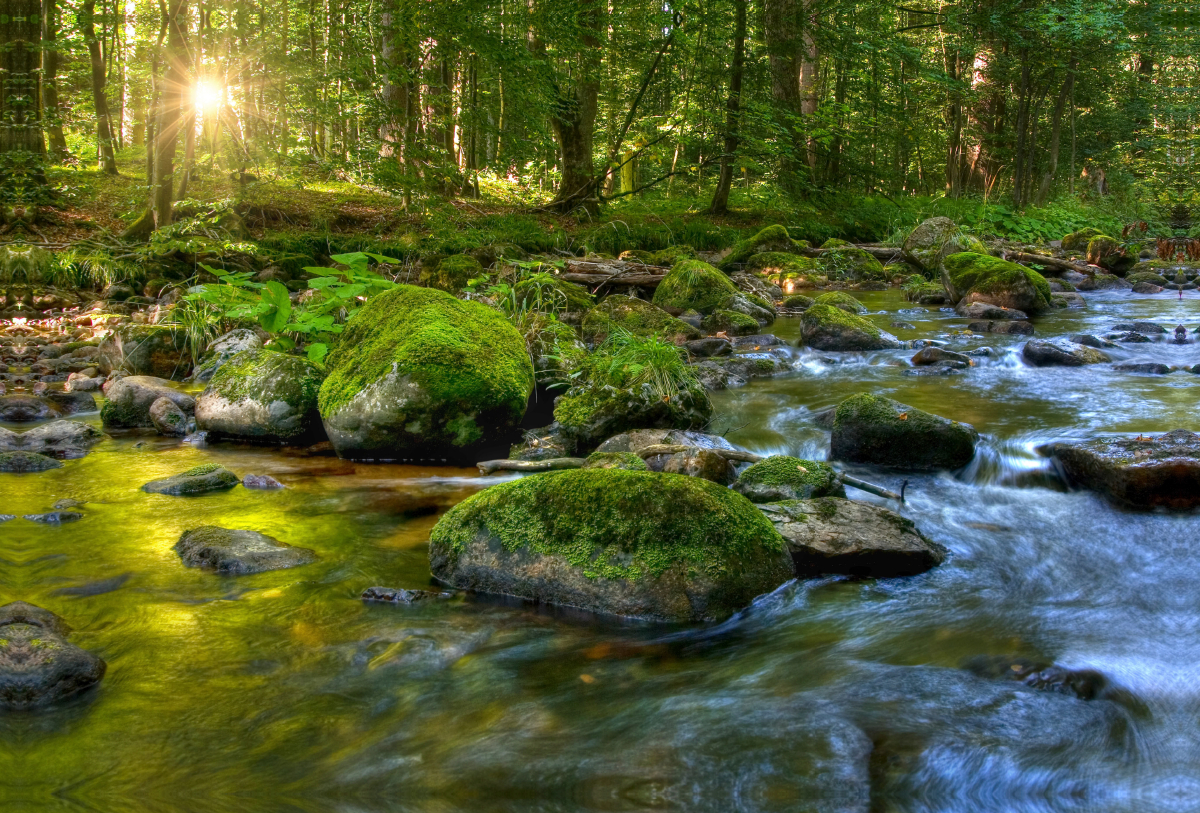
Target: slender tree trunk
x=573, y=120
x=51, y=114
x=794, y=58
x=22, y=145
x=720, y=201
x=1023, y=106
x=1056, y=133
x=175, y=83
x=104, y=140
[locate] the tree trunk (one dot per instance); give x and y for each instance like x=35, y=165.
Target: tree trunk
x=793, y=56
x=1023, y=106
x=104, y=140
x=720, y=201
x=174, y=84
x=51, y=114
x=22, y=146
x=1056, y=133
x=400, y=95
x=573, y=119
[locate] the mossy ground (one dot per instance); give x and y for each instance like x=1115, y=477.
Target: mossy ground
x=458, y=352
x=617, y=524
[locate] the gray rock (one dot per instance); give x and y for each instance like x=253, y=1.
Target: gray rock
x=1088, y=340
x=130, y=398
x=168, y=418
x=222, y=349
x=1142, y=472
x=707, y=348
x=780, y=477
x=72, y=403
x=1151, y=367
x=1148, y=328
x=1147, y=288
x=826, y=327
x=22, y=408
x=394, y=595
x=261, y=481
x=936, y=355
x=263, y=396
x=62, y=439
x=837, y=536
x=238, y=552
x=38, y=666
x=984, y=310
x=26, y=463
x=199, y=480
x=55, y=517
x=1049, y=354
x=1005, y=327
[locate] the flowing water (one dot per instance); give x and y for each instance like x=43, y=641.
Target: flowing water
x=284, y=691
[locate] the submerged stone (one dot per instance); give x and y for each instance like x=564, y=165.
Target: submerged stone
x=1142, y=472
x=55, y=517
x=209, y=477
x=26, y=463
x=38, y=666
x=395, y=595
x=238, y=552
x=839, y=536
x=63, y=439
x=631, y=543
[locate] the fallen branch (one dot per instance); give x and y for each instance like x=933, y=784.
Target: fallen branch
x=870, y=488
x=728, y=454
x=1051, y=262
x=490, y=466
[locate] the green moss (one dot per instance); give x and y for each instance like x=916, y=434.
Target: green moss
x=1146, y=276
x=865, y=408
x=1078, y=240
x=849, y=262
x=834, y=242
x=672, y=254
x=1100, y=247
x=452, y=273
x=458, y=352
x=200, y=471
x=776, y=262
x=842, y=300
x=828, y=316
x=646, y=257
x=798, y=302
x=617, y=524
x=737, y=324
x=615, y=460
x=693, y=284
x=985, y=274
x=291, y=379
x=781, y=470
x=636, y=316
x=772, y=238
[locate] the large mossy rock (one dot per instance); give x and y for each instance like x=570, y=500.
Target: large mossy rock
x=452, y=273
x=636, y=316
x=780, y=477
x=883, y=432
x=630, y=543
x=850, y=263
x=591, y=416
x=235, y=552
x=262, y=396
x=993, y=281
x=837, y=536
x=147, y=350
x=1078, y=240
x=1108, y=253
x=693, y=285
x=936, y=239
x=770, y=239
x=826, y=327
x=420, y=374
x=1142, y=472
x=222, y=349
x=842, y=300
x=38, y=665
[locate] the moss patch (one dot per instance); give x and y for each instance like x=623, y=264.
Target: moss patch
x=636, y=316
x=617, y=524
x=452, y=273
x=693, y=284
x=460, y=353
x=781, y=470
x=615, y=460
x=842, y=300
x=772, y=238
x=291, y=379
x=985, y=274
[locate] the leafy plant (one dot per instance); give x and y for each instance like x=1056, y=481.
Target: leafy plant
x=647, y=364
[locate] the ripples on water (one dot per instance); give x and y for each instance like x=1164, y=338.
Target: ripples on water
x=282, y=691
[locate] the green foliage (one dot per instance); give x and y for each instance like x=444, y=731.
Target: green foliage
x=648, y=365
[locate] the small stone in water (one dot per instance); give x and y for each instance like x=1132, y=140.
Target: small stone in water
x=55, y=517
x=399, y=596
x=263, y=481
x=7, y=517
x=68, y=504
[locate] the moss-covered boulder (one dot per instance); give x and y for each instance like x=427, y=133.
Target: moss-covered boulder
x=825, y=327
x=546, y=292
x=871, y=429
x=758, y=308
x=993, y=281
x=850, y=263
x=556, y=351
x=157, y=350
x=629, y=543
x=1108, y=253
x=452, y=274
x=615, y=460
x=38, y=665
x=235, y=552
x=591, y=415
x=782, y=269
x=26, y=463
x=671, y=255
x=843, y=301
x=693, y=285
x=934, y=240
x=1146, y=276
x=636, y=316
x=1078, y=240
x=798, y=302
x=730, y=323
x=772, y=238
x=198, y=480
x=130, y=399
x=788, y=478
x=222, y=349
x=418, y=373
x=263, y=396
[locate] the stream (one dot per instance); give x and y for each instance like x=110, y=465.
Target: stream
x=285, y=691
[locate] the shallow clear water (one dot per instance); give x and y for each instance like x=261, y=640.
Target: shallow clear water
x=283, y=691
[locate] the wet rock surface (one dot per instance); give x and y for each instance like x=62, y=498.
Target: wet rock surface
x=61, y=439
x=26, y=463
x=199, y=480
x=238, y=552
x=1141, y=472
x=395, y=595
x=38, y=665
x=838, y=536
x=884, y=432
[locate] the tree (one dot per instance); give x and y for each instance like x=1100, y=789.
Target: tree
x=720, y=201
x=22, y=144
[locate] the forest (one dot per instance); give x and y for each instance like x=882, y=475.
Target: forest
x=599, y=405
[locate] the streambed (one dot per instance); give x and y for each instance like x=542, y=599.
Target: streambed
x=284, y=691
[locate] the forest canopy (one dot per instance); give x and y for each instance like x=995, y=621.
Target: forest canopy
x=572, y=104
